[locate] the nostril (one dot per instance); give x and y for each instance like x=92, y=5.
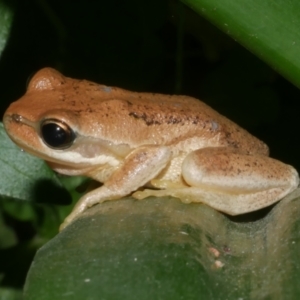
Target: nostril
x=17, y=118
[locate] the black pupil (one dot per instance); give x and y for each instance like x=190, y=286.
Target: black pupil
x=55, y=136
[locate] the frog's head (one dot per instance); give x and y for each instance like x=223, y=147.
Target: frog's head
x=55, y=122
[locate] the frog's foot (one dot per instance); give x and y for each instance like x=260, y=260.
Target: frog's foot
x=88, y=200
x=76, y=212
x=186, y=195
x=139, y=195
x=163, y=184
x=228, y=202
x=66, y=222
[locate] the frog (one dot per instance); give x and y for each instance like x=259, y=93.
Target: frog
x=145, y=144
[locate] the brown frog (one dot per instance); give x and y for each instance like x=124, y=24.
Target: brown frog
x=170, y=145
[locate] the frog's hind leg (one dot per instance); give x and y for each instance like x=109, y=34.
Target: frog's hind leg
x=229, y=203
x=230, y=181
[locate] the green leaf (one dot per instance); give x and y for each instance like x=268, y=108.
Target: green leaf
x=6, y=18
x=164, y=249
x=270, y=29
x=34, y=186
x=8, y=237
x=23, y=176
x=10, y=294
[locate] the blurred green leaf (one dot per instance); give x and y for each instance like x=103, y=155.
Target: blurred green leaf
x=25, y=177
x=270, y=29
x=10, y=294
x=45, y=218
x=164, y=249
x=6, y=18
x=22, y=211
x=34, y=186
x=7, y=235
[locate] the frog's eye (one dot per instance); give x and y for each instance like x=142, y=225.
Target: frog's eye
x=57, y=134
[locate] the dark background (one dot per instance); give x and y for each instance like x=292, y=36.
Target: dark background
x=151, y=45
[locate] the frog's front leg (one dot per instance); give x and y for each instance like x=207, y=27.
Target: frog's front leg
x=230, y=181
x=139, y=167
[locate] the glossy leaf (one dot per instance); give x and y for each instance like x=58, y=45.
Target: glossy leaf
x=270, y=29
x=164, y=249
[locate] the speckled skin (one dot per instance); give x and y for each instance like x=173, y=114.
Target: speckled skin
x=128, y=140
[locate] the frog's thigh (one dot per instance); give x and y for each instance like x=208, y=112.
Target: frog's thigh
x=221, y=168
x=234, y=182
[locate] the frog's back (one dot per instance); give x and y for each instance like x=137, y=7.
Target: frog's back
x=176, y=119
